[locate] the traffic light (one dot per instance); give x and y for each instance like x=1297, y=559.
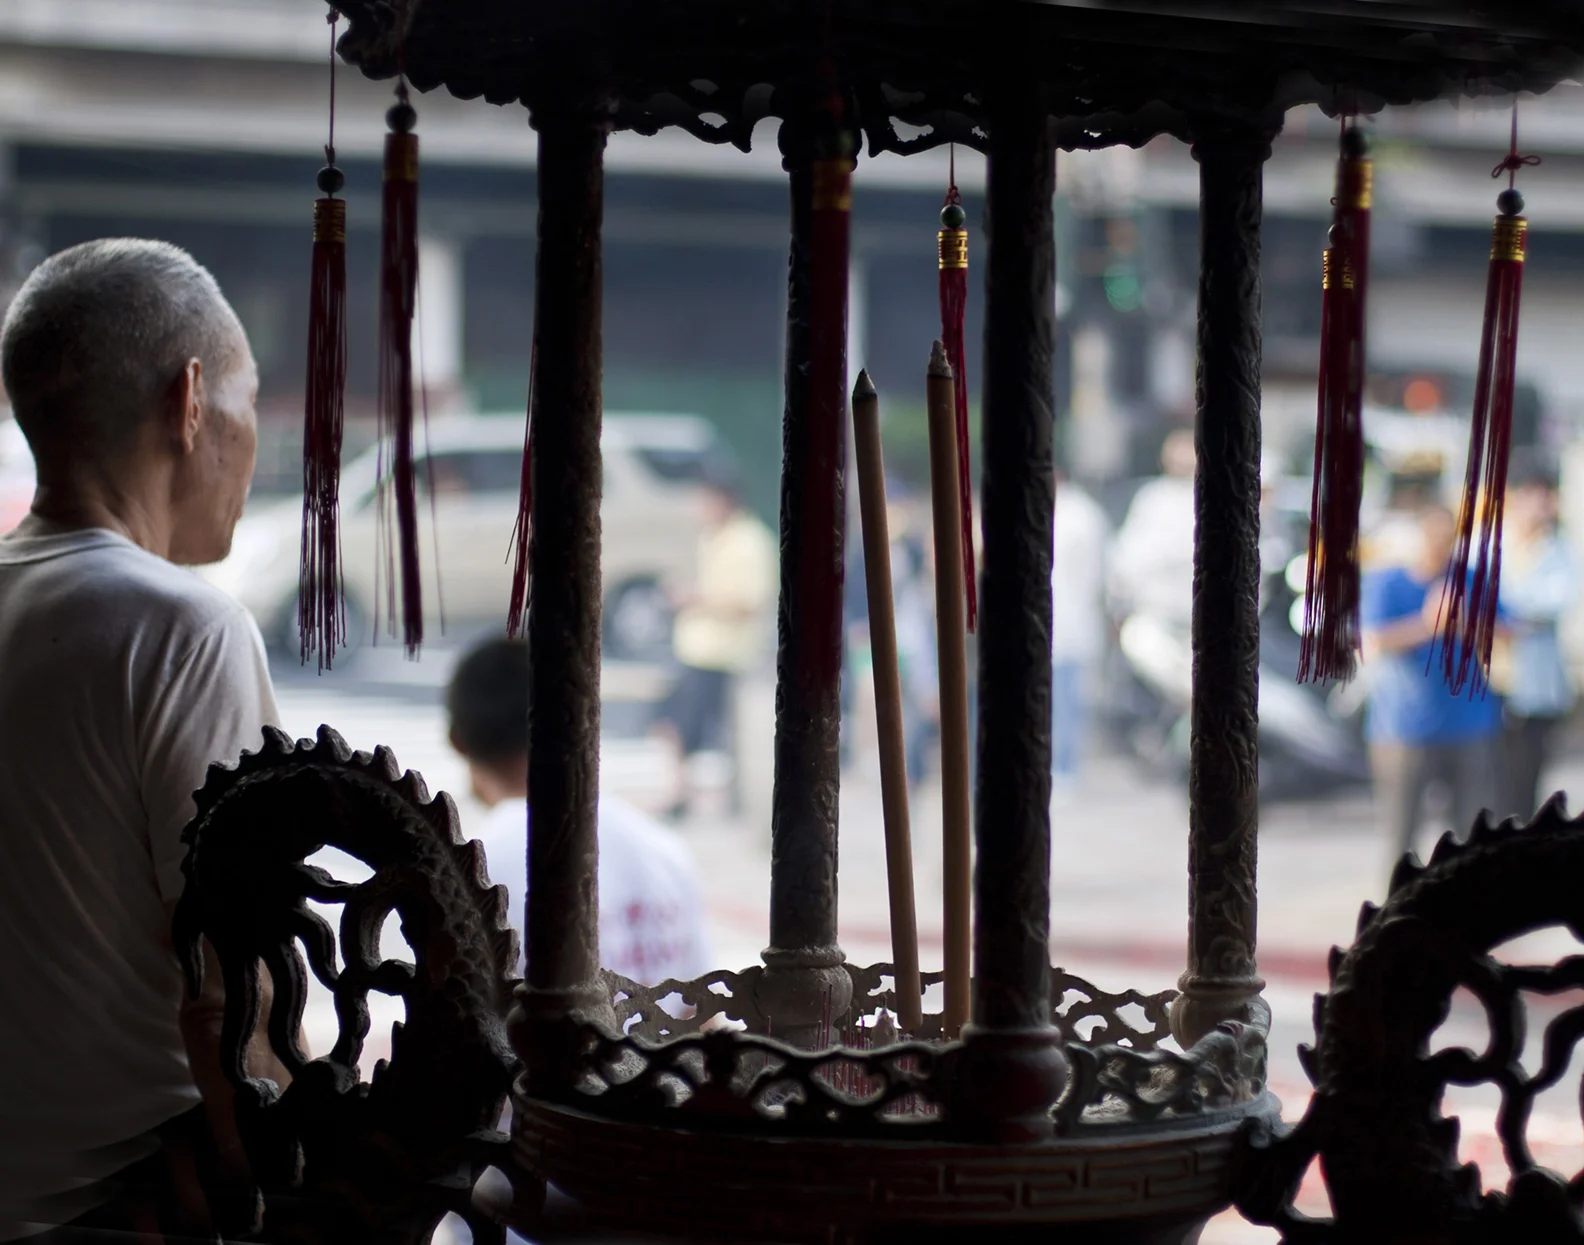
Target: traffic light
x=1123, y=289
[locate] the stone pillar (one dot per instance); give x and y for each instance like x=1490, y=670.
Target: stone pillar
x=1013, y=1068
x=804, y=974
x=1222, y=982
x=564, y=619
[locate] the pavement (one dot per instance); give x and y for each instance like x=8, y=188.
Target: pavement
x=1118, y=878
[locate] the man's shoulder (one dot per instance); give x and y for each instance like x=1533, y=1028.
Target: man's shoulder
x=1386, y=577
x=1385, y=592
x=1083, y=506
x=626, y=828
x=102, y=570
x=184, y=597
x=504, y=832
x=1158, y=499
x=747, y=530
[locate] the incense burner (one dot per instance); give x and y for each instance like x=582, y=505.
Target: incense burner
x=688, y=1099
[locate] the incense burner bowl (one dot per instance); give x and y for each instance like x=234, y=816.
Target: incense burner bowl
x=689, y=1119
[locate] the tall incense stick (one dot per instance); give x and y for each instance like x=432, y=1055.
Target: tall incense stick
x=888, y=700
x=952, y=657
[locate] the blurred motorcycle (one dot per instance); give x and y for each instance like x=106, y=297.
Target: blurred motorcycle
x=1310, y=737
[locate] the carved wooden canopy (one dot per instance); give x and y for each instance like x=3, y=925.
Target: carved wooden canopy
x=917, y=72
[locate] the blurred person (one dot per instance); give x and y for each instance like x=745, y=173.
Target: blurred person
x=1280, y=536
x=720, y=625
x=651, y=907
x=855, y=645
x=1077, y=623
x=1418, y=731
x=125, y=677
x=913, y=614
x=1539, y=583
x=913, y=592
x=972, y=647
x=1393, y=538
x=1150, y=565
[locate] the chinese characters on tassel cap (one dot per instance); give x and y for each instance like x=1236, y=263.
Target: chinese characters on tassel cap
x=1331, y=591
x=953, y=250
x=398, y=287
x=1473, y=584
x=321, y=617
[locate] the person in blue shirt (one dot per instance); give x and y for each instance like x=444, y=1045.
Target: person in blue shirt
x=1419, y=732
x=1539, y=584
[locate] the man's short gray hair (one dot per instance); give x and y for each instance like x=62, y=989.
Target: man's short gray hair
x=99, y=332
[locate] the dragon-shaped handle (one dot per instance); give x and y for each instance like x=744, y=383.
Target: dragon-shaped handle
x=337, y=1159
x=1389, y=1157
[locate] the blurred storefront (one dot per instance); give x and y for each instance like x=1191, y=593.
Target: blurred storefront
x=201, y=122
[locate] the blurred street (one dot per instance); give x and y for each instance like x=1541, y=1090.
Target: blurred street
x=1118, y=888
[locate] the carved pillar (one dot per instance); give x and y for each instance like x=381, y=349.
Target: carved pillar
x=803, y=963
x=1223, y=776
x=1017, y=1070
x=564, y=618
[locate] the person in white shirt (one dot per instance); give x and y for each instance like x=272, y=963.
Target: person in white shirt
x=1151, y=560
x=123, y=676
x=1077, y=623
x=651, y=918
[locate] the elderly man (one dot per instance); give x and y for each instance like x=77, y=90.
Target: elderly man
x=122, y=677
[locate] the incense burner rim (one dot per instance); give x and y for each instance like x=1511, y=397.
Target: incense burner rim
x=627, y=1172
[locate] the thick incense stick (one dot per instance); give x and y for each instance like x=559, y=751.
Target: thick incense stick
x=888, y=700
x=952, y=658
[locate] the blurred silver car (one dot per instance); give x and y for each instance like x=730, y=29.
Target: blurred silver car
x=654, y=465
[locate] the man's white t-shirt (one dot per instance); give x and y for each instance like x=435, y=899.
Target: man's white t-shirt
x=122, y=677
x=651, y=922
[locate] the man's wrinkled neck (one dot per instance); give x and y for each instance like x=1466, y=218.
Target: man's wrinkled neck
x=84, y=495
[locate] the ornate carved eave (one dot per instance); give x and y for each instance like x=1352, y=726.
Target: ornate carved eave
x=916, y=73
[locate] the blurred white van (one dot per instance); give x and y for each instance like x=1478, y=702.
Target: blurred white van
x=654, y=465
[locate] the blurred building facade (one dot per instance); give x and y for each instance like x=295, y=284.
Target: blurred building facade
x=201, y=121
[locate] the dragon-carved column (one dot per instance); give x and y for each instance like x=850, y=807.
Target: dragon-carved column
x=1222, y=981
x=805, y=979
x=1013, y=1065
x=564, y=617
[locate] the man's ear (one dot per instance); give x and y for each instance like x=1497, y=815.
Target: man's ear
x=188, y=400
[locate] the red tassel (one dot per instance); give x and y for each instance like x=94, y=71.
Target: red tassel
x=1468, y=602
x=953, y=245
x=321, y=619
x=522, y=544
x=1473, y=584
x=398, y=284
x=1331, y=594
